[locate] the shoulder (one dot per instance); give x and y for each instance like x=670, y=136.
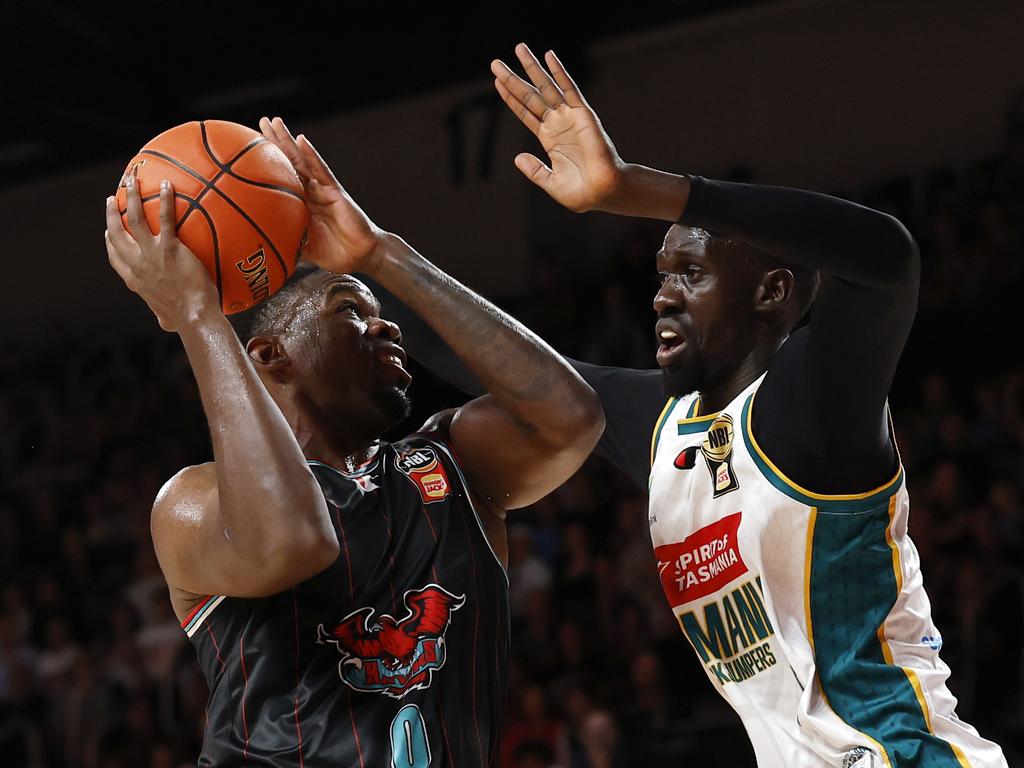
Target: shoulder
x=437, y=427
x=186, y=496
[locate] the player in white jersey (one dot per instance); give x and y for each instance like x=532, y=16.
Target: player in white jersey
x=778, y=504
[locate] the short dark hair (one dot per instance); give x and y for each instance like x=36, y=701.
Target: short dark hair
x=265, y=318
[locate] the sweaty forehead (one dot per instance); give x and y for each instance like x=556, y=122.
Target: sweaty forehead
x=680, y=238
x=332, y=284
x=306, y=303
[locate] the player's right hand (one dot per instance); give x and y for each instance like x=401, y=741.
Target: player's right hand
x=586, y=171
x=166, y=274
x=341, y=237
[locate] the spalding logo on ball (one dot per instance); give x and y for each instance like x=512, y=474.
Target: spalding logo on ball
x=238, y=202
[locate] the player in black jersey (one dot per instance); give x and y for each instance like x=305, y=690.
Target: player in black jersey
x=347, y=598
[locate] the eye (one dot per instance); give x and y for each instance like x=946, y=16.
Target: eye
x=346, y=305
x=692, y=271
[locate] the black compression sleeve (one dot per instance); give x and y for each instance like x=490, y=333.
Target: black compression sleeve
x=820, y=412
x=632, y=399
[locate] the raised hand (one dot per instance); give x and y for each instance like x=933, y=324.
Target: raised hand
x=341, y=238
x=166, y=274
x=585, y=171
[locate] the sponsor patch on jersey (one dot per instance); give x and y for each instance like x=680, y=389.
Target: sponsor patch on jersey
x=426, y=472
x=717, y=450
x=392, y=657
x=703, y=563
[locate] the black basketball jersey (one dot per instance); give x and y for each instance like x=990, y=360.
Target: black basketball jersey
x=393, y=656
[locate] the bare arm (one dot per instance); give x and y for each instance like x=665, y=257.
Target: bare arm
x=539, y=421
x=254, y=522
x=631, y=399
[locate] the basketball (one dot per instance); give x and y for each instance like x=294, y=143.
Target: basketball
x=239, y=205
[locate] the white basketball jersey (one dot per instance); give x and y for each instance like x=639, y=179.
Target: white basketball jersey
x=807, y=611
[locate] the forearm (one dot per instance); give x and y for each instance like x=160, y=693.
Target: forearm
x=514, y=365
x=820, y=232
x=647, y=193
x=269, y=501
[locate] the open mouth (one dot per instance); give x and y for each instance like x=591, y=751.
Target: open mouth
x=392, y=358
x=392, y=354
x=670, y=343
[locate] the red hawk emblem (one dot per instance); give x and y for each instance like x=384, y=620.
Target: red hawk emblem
x=394, y=656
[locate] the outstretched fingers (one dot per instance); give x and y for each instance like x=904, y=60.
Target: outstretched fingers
x=546, y=87
x=571, y=92
x=315, y=164
x=277, y=132
x=520, y=110
x=526, y=96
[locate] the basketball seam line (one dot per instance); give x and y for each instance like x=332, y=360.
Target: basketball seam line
x=193, y=204
x=228, y=200
x=210, y=183
x=244, y=215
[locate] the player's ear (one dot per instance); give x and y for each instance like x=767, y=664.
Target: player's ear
x=268, y=353
x=775, y=290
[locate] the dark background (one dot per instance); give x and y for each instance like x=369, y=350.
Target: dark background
x=94, y=670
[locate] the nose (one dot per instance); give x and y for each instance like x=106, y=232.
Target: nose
x=667, y=301
x=380, y=328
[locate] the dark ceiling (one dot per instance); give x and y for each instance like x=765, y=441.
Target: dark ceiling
x=89, y=81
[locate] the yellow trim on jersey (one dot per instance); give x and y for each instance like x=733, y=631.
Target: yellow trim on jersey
x=810, y=631
x=693, y=415
x=915, y=682
x=800, y=489
x=659, y=423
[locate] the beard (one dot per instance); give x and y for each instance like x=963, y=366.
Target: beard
x=683, y=376
x=393, y=403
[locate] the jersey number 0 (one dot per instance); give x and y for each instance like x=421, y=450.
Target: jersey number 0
x=409, y=746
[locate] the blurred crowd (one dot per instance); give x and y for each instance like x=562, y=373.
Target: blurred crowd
x=95, y=670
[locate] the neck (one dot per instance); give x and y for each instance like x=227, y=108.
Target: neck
x=321, y=440
x=346, y=459
x=718, y=395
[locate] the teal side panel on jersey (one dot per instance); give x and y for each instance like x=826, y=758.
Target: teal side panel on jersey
x=852, y=589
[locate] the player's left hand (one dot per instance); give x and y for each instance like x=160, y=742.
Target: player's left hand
x=586, y=170
x=341, y=237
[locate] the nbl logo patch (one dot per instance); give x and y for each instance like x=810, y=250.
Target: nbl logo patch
x=717, y=450
x=389, y=656
x=426, y=472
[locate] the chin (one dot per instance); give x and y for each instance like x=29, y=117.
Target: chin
x=678, y=380
x=393, y=403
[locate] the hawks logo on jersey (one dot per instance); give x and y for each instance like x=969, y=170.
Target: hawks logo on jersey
x=394, y=657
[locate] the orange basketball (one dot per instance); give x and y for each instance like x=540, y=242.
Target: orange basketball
x=239, y=204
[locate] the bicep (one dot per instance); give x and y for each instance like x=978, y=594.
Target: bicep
x=821, y=410
x=195, y=550
x=854, y=343
x=507, y=463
